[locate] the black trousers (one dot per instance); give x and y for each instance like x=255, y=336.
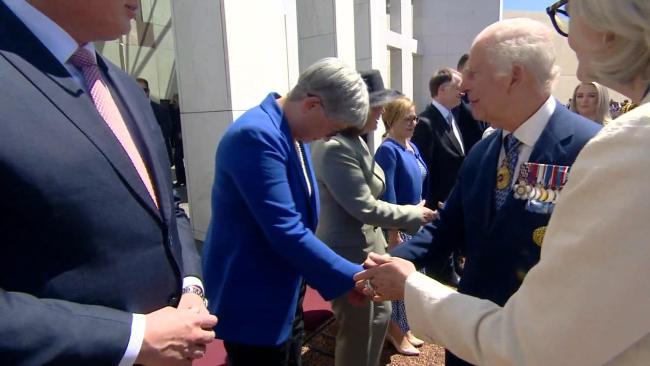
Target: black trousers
x=286, y=354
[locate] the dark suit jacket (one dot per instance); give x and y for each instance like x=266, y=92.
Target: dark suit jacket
x=440, y=151
x=82, y=245
x=164, y=121
x=498, y=245
x=471, y=130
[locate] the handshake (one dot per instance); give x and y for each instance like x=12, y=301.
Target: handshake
x=383, y=279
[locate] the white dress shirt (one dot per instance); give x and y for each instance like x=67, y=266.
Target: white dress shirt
x=446, y=113
x=62, y=46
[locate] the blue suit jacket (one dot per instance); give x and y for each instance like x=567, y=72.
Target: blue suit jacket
x=260, y=244
x=498, y=245
x=82, y=244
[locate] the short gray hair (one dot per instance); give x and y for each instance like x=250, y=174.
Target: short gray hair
x=343, y=93
x=524, y=42
x=628, y=54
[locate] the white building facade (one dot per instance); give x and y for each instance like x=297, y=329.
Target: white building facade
x=228, y=54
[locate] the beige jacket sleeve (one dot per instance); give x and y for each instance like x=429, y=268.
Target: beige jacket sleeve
x=587, y=302
x=341, y=171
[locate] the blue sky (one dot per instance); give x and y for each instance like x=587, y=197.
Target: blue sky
x=530, y=5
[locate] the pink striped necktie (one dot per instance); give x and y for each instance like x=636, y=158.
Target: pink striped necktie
x=83, y=60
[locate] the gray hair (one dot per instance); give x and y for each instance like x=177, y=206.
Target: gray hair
x=627, y=56
x=343, y=93
x=524, y=42
x=603, y=116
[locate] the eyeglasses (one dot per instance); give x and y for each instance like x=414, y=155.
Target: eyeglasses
x=415, y=119
x=559, y=16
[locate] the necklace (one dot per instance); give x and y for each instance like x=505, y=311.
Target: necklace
x=302, y=164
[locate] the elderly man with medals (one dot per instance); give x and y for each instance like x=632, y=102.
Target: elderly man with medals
x=497, y=213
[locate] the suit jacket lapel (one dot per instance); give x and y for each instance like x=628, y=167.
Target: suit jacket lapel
x=445, y=130
x=549, y=145
x=487, y=177
x=54, y=81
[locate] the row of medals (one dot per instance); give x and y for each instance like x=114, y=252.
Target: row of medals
x=525, y=191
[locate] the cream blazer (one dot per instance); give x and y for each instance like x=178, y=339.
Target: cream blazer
x=349, y=182
x=587, y=301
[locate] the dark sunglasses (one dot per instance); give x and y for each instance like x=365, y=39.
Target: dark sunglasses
x=559, y=16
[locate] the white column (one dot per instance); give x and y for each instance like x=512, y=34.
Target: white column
x=229, y=55
x=445, y=30
x=370, y=27
x=325, y=29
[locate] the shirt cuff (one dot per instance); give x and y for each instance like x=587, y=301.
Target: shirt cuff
x=193, y=281
x=138, y=325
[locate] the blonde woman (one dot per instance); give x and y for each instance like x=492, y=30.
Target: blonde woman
x=591, y=100
x=405, y=172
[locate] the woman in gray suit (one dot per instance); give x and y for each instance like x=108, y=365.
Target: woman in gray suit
x=351, y=219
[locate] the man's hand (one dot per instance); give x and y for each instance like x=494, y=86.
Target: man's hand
x=193, y=301
x=370, y=262
x=176, y=336
x=428, y=215
x=384, y=281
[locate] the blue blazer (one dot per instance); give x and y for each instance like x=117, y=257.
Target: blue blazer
x=498, y=245
x=404, y=180
x=260, y=245
x=82, y=244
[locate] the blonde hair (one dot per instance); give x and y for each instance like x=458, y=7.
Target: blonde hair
x=603, y=115
x=396, y=110
x=627, y=55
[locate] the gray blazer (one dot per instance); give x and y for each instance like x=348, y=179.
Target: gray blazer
x=351, y=218
x=349, y=182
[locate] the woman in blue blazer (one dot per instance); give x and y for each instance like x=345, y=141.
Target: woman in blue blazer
x=405, y=172
x=260, y=249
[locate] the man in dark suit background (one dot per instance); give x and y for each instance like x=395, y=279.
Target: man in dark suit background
x=499, y=234
x=440, y=140
x=162, y=117
x=97, y=264
x=470, y=129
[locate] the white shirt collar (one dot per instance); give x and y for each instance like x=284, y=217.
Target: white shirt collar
x=528, y=133
x=441, y=108
x=53, y=37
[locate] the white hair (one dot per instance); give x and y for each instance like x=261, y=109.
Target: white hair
x=627, y=55
x=524, y=42
x=343, y=93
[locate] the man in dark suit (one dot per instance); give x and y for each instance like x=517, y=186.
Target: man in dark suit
x=438, y=136
x=440, y=140
x=471, y=130
x=97, y=264
x=500, y=232
x=162, y=116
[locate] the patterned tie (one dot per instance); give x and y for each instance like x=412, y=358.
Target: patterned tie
x=83, y=60
x=506, y=170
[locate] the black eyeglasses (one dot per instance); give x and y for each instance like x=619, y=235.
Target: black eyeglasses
x=559, y=16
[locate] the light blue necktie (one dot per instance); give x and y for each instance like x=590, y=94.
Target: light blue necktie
x=510, y=145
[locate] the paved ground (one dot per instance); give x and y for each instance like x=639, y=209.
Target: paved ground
x=319, y=352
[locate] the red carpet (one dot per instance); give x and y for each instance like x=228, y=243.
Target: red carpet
x=216, y=353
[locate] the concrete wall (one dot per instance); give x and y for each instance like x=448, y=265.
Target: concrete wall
x=226, y=66
x=445, y=30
